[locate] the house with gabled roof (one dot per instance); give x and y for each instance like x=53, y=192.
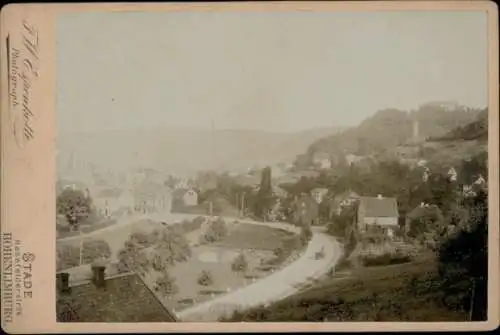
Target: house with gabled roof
x=121, y=298
x=378, y=212
x=186, y=196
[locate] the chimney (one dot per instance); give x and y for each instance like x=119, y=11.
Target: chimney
x=98, y=277
x=62, y=282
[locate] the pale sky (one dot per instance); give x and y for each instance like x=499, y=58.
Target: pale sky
x=267, y=71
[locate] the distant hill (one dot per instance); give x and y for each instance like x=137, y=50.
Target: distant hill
x=392, y=127
x=182, y=151
x=475, y=130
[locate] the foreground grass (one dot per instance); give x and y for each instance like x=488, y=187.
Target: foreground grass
x=406, y=292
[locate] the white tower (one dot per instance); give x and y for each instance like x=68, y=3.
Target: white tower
x=416, y=130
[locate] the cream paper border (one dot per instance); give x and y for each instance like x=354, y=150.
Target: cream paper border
x=28, y=174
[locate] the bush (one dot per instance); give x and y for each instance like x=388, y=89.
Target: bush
x=132, y=258
x=205, y=278
x=385, y=259
x=343, y=264
x=166, y=285
x=68, y=256
x=240, y=264
x=143, y=239
x=173, y=244
x=278, y=252
x=94, y=250
x=305, y=235
x=215, y=232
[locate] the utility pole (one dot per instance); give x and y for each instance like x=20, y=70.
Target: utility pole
x=212, y=144
x=81, y=246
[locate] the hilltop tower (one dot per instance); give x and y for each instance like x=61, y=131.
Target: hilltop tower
x=416, y=130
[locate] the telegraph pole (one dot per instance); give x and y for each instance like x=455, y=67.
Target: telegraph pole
x=212, y=149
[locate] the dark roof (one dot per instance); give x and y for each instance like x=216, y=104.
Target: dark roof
x=379, y=207
x=125, y=298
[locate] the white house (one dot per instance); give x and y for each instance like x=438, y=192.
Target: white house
x=325, y=164
x=452, y=173
x=480, y=180
x=190, y=197
x=422, y=163
x=378, y=211
x=318, y=194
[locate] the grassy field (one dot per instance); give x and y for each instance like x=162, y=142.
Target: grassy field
x=406, y=292
x=248, y=236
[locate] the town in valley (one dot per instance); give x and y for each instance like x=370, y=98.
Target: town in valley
x=379, y=218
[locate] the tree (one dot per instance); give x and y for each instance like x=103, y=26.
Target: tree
x=426, y=224
x=132, y=258
x=74, y=205
x=142, y=238
x=305, y=234
x=443, y=192
x=264, y=199
x=215, y=232
x=94, y=250
x=465, y=257
x=278, y=252
x=165, y=284
x=172, y=245
x=341, y=221
x=205, y=278
x=67, y=257
x=240, y=264
x=474, y=167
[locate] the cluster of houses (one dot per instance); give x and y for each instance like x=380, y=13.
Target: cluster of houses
x=142, y=196
x=380, y=212
x=370, y=211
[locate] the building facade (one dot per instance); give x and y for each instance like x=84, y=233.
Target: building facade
x=378, y=212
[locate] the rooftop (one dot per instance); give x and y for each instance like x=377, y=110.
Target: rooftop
x=379, y=206
x=123, y=298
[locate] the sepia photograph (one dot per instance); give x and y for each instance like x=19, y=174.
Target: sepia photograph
x=271, y=166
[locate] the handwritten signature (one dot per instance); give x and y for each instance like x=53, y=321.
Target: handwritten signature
x=23, y=70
